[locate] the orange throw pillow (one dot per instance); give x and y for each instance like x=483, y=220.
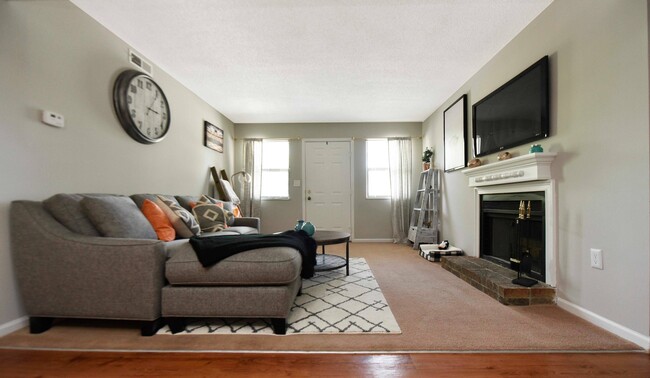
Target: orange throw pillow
x=158, y=220
x=236, y=211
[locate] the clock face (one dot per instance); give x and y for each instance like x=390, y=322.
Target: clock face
x=141, y=107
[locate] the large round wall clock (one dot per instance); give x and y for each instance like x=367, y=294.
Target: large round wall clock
x=141, y=107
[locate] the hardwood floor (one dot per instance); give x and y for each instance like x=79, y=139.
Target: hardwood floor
x=27, y=363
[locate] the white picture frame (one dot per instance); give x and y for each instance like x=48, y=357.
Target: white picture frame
x=454, y=134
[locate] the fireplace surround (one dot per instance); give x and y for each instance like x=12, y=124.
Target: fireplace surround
x=529, y=176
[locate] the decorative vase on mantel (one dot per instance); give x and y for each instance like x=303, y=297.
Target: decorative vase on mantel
x=426, y=165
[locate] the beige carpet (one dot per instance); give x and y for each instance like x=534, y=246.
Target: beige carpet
x=435, y=310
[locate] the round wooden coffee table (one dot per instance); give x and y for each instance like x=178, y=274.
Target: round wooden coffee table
x=324, y=261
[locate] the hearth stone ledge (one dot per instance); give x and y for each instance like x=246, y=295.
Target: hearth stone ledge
x=496, y=281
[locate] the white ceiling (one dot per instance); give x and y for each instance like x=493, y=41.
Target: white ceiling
x=318, y=61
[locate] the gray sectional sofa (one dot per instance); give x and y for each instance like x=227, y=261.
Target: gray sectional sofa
x=96, y=256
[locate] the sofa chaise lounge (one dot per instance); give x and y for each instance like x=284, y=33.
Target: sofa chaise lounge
x=93, y=256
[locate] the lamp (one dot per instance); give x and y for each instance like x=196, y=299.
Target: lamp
x=245, y=178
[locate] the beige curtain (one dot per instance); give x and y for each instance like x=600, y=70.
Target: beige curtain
x=399, y=167
x=251, y=203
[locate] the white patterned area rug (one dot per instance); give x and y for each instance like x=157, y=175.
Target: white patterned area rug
x=331, y=302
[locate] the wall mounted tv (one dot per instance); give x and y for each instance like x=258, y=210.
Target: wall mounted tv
x=514, y=114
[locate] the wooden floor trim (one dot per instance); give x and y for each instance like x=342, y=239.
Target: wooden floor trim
x=29, y=363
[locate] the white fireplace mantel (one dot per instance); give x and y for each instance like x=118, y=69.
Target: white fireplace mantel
x=530, y=167
x=526, y=173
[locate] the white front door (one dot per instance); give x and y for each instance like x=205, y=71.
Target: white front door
x=328, y=185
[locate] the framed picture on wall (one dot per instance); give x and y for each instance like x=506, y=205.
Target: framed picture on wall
x=213, y=137
x=454, y=133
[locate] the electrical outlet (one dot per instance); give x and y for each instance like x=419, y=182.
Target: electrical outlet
x=597, y=258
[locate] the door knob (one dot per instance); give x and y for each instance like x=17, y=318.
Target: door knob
x=308, y=198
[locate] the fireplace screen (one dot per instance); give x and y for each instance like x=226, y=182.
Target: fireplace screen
x=512, y=224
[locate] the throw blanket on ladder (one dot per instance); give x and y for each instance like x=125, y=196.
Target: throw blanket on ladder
x=211, y=250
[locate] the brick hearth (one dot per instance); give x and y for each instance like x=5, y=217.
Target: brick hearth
x=496, y=281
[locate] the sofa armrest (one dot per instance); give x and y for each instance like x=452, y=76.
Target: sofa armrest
x=248, y=222
x=64, y=274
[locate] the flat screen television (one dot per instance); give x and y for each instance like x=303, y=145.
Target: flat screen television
x=514, y=114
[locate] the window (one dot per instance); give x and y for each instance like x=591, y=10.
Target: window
x=377, y=176
x=275, y=169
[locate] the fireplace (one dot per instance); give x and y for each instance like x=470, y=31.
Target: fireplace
x=522, y=178
x=512, y=224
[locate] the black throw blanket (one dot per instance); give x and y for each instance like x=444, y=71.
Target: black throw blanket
x=211, y=250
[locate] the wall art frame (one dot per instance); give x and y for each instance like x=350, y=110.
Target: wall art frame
x=455, y=134
x=213, y=137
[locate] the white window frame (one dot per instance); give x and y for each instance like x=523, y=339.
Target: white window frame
x=368, y=170
x=287, y=169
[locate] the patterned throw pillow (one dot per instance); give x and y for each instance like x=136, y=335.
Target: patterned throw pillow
x=212, y=217
x=183, y=221
x=207, y=199
x=228, y=206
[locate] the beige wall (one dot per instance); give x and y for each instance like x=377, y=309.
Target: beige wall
x=599, y=128
x=371, y=216
x=55, y=57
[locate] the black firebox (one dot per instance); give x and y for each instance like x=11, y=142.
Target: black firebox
x=512, y=225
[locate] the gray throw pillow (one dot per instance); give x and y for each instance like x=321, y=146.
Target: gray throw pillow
x=117, y=217
x=66, y=209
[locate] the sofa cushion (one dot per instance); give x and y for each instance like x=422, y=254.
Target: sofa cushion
x=183, y=221
x=66, y=209
x=158, y=220
x=264, y=266
x=117, y=217
x=243, y=230
x=211, y=216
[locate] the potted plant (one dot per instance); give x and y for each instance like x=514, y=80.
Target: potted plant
x=427, y=154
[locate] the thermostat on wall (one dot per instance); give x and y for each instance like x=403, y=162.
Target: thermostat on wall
x=52, y=119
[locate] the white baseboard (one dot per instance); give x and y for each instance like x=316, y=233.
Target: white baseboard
x=372, y=240
x=641, y=340
x=13, y=325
